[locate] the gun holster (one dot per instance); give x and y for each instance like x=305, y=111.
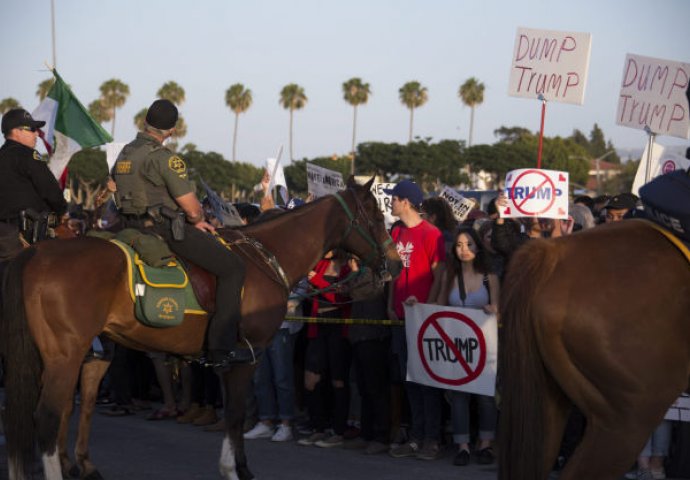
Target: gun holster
x=33, y=225
x=177, y=221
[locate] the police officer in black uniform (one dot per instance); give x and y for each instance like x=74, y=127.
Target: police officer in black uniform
x=153, y=191
x=30, y=197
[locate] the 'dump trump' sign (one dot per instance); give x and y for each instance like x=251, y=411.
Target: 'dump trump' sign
x=550, y=63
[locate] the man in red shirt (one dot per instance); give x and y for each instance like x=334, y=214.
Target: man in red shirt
x=421, y=248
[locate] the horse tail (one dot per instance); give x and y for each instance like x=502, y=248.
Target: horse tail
x=522, y=373
x=22, y=368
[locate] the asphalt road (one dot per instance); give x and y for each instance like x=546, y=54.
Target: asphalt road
x=133, y=448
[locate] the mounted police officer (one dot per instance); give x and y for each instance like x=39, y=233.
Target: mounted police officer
x=30, y=197
x=153, y=191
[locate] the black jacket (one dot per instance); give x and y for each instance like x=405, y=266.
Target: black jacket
x=26, y=182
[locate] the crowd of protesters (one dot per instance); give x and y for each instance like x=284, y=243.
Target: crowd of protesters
x=328, y=384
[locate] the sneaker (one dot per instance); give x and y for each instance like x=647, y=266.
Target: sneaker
x=408, y=449
x=283, y=434
x=191, y=414
x=208, y=417
x=311, y=439
x=330, y=442
x=462, y=458
x=260, y=430
x=486, y=456
x=644, y=474
x=429, y=450
x=375, y=448
x=659, y=473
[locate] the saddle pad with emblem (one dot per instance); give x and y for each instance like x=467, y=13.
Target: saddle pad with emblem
x=161, y=295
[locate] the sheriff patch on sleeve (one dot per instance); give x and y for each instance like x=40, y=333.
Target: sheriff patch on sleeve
x=177, y=165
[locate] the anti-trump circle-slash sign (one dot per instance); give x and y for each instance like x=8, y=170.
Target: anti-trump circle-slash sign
x=437, y=349
x=533, y=192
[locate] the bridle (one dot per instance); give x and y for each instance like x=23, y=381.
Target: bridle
x=355, y=225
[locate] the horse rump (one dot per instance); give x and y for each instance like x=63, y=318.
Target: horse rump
x=22, y=367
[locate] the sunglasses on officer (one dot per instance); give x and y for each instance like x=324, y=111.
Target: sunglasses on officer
x=28, y=129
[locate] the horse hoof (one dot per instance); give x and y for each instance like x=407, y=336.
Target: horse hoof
x=94, y=475
x=244, y=473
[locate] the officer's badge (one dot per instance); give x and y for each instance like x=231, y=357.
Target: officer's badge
x=37, y=156
x=123, y=167
x=177, y=165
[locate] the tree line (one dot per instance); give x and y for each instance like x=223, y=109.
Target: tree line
x=429, y=163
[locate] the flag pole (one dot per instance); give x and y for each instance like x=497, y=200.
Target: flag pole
x=651, y=136
x=541, y=130
x=52, y=21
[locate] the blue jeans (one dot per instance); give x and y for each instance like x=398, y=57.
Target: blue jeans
x=460, y=414
x=274, y=384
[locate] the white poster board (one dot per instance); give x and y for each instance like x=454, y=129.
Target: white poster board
x=653, y=95
x=535, y=192
x=663, y=161
x=453, y=348
x=277, y=178
x=460, y=205
x=551, y=63
x=680, y=410
x=385, y=201
x=322, y=181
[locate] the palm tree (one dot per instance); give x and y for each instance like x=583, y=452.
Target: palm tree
x=472, y=94
x=239, y=99
x=292, y=98
x=114, y=94
x=413, y=95
x=8, y=104
x=355, y=93
x=173, y=92
x=140, y=118
x=98, y=111
x=44, y=87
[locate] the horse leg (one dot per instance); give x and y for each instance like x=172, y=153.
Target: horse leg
x=608, y=448
x=91, y=375
x=66, y=464
x=233, y=461
x=556, y=410
x=59, y=380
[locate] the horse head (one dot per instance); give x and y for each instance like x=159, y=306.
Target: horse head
x=366, y=235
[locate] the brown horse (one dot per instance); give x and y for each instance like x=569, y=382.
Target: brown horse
x=61, y=294
x=599, y=320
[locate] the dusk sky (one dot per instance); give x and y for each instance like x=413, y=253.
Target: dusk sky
x=207, y=45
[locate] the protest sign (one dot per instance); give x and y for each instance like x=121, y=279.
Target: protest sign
x=277, y=178
x=663, y=161
x=322, y=181
x=460, y=205
x=653, y=95
x=451, y=347
x=533, y=192
x=384, y=201
x=551, y=63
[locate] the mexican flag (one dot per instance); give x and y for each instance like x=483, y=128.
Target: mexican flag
x=68, y=128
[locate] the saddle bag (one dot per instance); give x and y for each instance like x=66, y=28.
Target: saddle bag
x=667, y=202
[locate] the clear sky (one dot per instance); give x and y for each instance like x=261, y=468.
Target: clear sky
x=207, y=45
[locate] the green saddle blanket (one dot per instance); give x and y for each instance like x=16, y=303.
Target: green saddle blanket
x=161, y=295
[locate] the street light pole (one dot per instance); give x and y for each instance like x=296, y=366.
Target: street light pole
x=52, y=18
x=596, y=162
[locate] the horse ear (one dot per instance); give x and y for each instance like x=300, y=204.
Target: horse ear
x=351, y=181
x=370, y=183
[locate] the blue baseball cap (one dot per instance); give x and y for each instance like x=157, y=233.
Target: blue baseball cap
x=294, y=202
x=409, y=190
